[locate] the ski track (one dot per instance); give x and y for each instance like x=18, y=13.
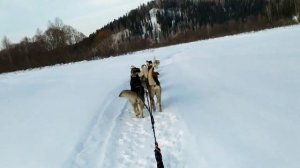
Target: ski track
x=118, y=139
x=91, y=151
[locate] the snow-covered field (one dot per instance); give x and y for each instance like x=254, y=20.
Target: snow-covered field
x=231, y=102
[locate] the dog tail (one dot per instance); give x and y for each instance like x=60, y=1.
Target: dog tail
x=131, y=96
x=126, y=93
x=121, y=94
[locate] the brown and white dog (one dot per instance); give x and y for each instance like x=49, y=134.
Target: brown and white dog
x=136, y=102
x=154, y=85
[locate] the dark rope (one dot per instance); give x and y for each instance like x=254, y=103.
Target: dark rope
x=152, y=118
x=157, y=152
x=158, y=157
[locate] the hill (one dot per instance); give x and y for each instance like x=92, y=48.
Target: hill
x=155, y=24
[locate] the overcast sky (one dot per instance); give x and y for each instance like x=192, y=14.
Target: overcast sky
x=20, y=18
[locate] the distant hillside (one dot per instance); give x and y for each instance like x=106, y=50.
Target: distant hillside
x=164, y=22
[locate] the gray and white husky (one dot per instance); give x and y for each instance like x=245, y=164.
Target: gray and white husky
x=136, y=102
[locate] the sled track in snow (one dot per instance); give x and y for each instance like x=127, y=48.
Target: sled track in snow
x=91, y=152
x=117, y=139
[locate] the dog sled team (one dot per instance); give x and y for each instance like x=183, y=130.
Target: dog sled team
x=143, y=83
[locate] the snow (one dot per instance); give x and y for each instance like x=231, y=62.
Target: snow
x=227, y=103
x=156, y=26
x=296, y=18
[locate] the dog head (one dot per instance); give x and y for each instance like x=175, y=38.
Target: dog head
x=134, y=71
x=155, y=62
x=144, y=71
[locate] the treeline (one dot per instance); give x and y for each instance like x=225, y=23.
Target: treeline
x=45, y=48
x=157, y=23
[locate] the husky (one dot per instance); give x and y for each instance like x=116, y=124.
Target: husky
x=154, y=85
x=136, y=83
x=135, y=101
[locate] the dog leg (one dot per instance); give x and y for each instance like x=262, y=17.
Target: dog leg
x=159, y=99
x=135, y=110
x=152, y=104
x=152, y=94
x=138, y=112
x=141, y=107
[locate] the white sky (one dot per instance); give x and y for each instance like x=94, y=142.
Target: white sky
x=20, y=18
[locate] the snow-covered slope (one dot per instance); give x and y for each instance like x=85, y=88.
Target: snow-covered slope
x=230, y=102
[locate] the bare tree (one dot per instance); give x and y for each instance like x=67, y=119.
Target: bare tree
x=6, y=44
x=55, y=38
x=58, y=23
x=72, y=35
x=55, y=35
x=24, y=49
x=38, y=37
x=59, y=35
